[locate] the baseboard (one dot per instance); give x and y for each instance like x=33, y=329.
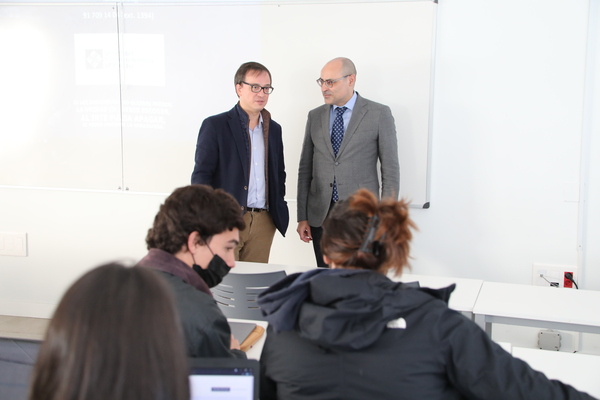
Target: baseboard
x=22, y=309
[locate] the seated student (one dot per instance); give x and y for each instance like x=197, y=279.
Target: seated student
x=191, y=245
x=352, y=333
x=114, y=335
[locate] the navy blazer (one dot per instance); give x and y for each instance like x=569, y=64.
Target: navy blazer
x=223, y=161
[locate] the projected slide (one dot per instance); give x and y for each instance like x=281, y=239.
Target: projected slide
x=111, y=97
x=57, y=132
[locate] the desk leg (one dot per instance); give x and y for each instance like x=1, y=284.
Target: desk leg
x=480, y=320
x=488, y=329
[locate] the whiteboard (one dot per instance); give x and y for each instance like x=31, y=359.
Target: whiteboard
x=111, y=96
x=51, y=133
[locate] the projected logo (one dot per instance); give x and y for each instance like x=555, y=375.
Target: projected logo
x=96, y=59
x=93, y=59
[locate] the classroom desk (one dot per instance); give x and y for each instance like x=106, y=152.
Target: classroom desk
x=575, y=369
x=246, y=267
x=462, y=299
x=537, y=306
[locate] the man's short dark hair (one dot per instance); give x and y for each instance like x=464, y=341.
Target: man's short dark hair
x=194, y=208
x=255, y=67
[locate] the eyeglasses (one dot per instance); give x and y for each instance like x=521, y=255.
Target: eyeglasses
x=329, y=82
x=257, y=88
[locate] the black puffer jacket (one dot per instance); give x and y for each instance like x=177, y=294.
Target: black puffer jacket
x=354, y=334
x=206, y=330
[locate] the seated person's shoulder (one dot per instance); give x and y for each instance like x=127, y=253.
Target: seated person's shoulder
x=190, y=299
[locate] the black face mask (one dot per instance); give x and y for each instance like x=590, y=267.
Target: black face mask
x=216, y=271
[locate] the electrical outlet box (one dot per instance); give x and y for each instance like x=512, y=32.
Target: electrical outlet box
x=552, y=275
x=567, y=282
x=13, y=244
x=549, y=340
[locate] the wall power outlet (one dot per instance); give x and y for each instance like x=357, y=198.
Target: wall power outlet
x=552, y=275
x=567, y=283
x=13, y=244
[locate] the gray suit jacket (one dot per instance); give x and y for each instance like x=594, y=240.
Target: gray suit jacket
x=370, y=136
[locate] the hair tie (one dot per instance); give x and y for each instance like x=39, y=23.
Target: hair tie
x=371, y=230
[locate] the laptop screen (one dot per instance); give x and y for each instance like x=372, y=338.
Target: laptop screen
x=223, y=379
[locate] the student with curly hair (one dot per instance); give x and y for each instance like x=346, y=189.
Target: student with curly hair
x=191, y=246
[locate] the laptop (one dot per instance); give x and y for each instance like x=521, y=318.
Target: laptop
x=224, y=379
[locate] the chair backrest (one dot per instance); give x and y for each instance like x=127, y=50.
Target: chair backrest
x=236, y=294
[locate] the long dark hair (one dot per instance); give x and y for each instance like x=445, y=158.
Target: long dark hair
x=114, y=335
x=362, y=232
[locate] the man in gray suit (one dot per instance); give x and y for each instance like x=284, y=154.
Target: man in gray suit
x=344, y=139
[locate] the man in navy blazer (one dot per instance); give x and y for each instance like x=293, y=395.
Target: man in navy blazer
x=241, y=152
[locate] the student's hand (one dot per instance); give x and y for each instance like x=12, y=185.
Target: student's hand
x=304, y=231
x=235, y=344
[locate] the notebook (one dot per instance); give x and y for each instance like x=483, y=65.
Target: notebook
x=224, y=379
x=246, y=333
x=241, y=330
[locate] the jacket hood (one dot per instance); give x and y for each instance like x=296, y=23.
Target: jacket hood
x=342, y=308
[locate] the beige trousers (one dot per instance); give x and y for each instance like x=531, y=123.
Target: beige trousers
x=256, y=239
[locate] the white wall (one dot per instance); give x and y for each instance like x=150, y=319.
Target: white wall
x=508, y=106
x=68, y=233
x=508, y=109
x=506, y=146
x=591, y=209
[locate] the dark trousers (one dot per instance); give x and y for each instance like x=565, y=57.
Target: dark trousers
x=317, y=233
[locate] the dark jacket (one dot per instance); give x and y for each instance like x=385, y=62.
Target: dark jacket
x=223, y=160
x=206, y=330
x=355, y=334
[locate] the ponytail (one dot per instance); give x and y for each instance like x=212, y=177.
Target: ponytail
x=362, y=232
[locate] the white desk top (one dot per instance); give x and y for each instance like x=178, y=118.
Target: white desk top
x=245, y=267
x=462, y=299
x=575, y=369
x=541, y=303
